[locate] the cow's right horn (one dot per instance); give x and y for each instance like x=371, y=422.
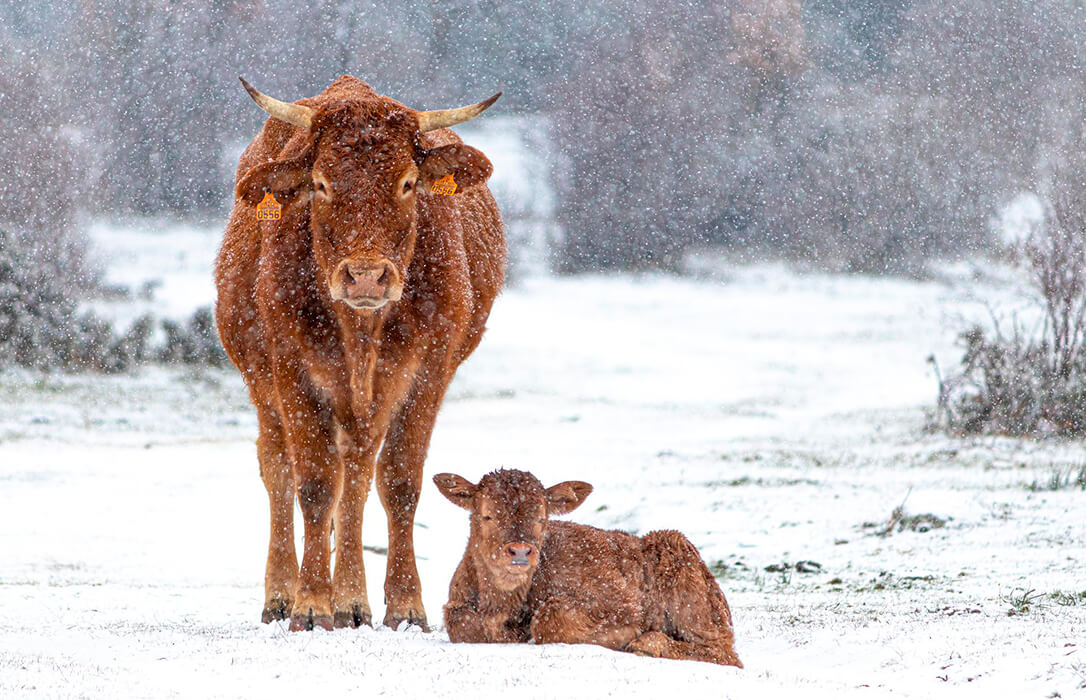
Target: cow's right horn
x=441, y=118
x=298, y=115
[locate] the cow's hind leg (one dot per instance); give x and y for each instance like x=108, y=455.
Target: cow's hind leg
x=399, y=481
x=565, y=620
x=349, y=599
x=661, y=646
x=281, y=573
x=690, y=618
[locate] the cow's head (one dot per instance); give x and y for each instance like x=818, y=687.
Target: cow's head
x=358, y=171
x=509, y=512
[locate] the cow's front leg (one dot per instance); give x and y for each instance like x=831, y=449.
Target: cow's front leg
x=318, y=480
x=349, y=598
x=399, y=481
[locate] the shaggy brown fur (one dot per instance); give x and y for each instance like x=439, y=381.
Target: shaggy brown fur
x=347, y=317
x=525, y=578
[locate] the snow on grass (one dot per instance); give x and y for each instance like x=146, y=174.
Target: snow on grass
x=772, y=417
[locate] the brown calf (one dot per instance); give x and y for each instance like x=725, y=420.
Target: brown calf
x=351, y=286
x=524, y=577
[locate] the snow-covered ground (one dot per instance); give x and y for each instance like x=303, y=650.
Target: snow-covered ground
x=772, y=417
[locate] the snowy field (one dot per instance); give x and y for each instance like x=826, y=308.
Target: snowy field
x=774, y=418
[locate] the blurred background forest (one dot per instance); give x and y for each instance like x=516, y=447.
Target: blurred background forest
x=855, y=135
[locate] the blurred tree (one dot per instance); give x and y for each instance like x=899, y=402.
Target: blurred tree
x=643, y=132
x=769, y=40
x=44, y=177
x=844, y=130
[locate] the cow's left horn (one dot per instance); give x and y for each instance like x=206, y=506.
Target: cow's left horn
x=440, y=118
x=298, y=115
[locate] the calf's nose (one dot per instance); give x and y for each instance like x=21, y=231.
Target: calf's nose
x=518, y=553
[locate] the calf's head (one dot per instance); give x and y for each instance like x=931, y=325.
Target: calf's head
x=357, y=171
x=509, y=512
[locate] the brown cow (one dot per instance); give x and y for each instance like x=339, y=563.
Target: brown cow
x=347, y=316
x=524, y=577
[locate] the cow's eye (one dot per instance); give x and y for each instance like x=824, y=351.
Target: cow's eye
x=408, y=183
x=320, y=188
x=487, y=518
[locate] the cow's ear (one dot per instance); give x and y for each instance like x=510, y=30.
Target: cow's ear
x=456, y=488
x=564, y=497
x=468, y=167
x=283, y=178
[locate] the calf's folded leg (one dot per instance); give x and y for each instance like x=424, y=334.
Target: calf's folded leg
x=464, y=624
x=565, y=620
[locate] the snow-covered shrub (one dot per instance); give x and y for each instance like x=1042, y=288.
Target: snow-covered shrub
x=193, y=343
x=41, y=326
x=1018, y=382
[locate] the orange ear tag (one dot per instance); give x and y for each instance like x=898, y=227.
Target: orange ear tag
x=268, y=209
x=445, y=186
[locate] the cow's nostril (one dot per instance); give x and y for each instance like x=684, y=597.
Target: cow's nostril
x=519, y=552
x=386, y=277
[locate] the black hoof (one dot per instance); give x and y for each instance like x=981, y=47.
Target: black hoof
x=393, y=621
x=276, y=609
x=355, y=617
x=302, y=623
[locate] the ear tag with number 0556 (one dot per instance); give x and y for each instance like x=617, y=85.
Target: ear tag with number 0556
x=446, y=185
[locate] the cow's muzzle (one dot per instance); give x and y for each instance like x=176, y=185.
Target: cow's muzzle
x=366, y=284
x=519, y=554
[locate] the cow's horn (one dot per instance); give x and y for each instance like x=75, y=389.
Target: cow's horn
x=298, y=115
x=440, y=118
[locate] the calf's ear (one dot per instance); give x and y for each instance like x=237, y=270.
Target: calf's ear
x=564, y=497
x=282, y=178
x=455, y=488
x=467, y=165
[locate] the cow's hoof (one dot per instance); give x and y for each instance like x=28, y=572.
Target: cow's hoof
x=355, y=617
x=276, y=609
x=393, y=620
x=302, y=623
